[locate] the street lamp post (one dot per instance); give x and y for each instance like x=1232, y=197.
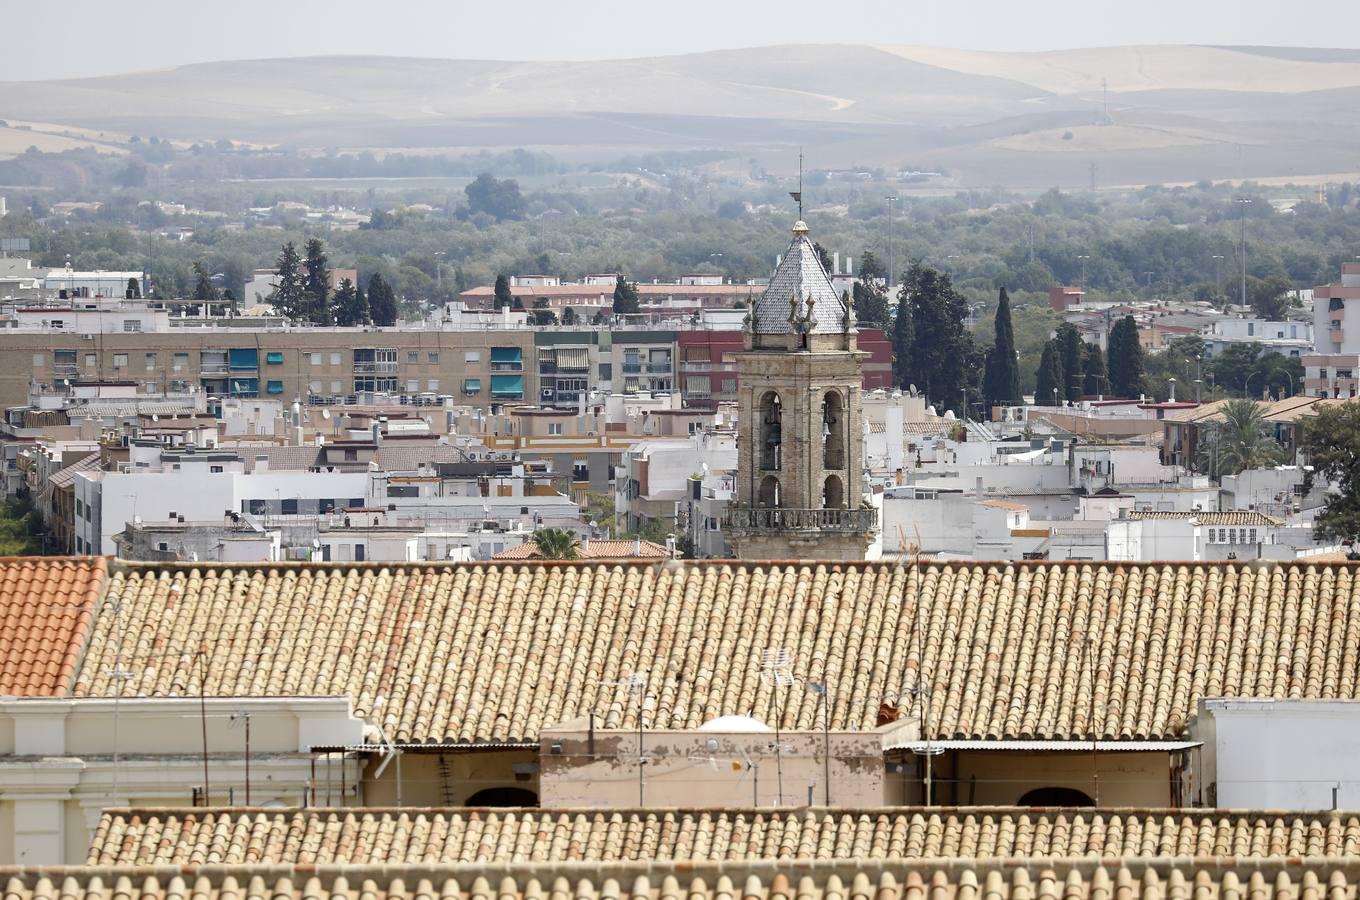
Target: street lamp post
x=1243, y=201
x=1083, y=270
x=1218, y=276
x=439, y=272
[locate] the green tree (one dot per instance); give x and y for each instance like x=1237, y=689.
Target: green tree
x=824, y=256
x=288, y=296
x=569, y=316
x=1048, y=389
x=382, y=302
x=625, y=297
x=504, y=297
x=1269, y=297
x=1331, y=444
x=941, y=361
x=542, y=315
x=494, y=197
x=134, y=289
x=19, y=528
x=1071, y=354
x=1241, y=439
x=204, y=291
x=350, y=306
x=1001, y=383
x=871, y=303
x=317, y=285
x=1094, y=376
x=555, y=543
x=870, y=267
x=903, y=339
x=1125, y=360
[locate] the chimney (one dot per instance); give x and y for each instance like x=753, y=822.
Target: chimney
x=262, y=463
x=849, y=265
x=836, y=263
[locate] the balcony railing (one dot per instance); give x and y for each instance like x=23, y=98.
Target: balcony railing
x=781, y=519
x=214, y=368
x=65, y=369
x=632, y=368
x=659, y=368
x=507, y=367
x=383, y=368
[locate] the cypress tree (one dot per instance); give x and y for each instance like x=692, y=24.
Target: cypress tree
x=382, y=302
x=317, y=286
x=504, y=298
x=903, y=336
x=288, y=297
x=1093, y=367
x=1126, y=359
x=1001, y=380
x=1069, y=347
x=1050, y=377
x=625, y=297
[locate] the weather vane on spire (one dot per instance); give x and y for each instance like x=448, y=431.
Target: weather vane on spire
x=798, y=194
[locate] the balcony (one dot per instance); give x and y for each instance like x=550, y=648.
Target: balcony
x=65, y=369
x=507, y=366
x=214, y=368
x=375, y=368
x=661, y=368
x=632, y=368
x=810, y=520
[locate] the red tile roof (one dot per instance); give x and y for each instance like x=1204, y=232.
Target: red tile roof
x=603, y=550
x=46, y=607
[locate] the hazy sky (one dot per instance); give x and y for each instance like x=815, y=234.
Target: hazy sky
x=71, y=38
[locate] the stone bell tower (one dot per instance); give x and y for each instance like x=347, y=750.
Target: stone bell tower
x=800, y=446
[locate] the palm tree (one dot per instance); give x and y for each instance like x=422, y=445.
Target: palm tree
x=555, y=543
x=1240, y=440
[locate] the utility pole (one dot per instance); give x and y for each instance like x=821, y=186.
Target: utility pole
x=1218, y=275
x=889, y=279
x=1083, y=270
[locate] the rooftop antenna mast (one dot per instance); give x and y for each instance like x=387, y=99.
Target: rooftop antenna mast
x=798, y=194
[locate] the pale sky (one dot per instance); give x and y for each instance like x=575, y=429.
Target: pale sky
x=74, y=38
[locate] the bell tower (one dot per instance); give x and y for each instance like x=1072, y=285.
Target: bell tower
x=800, y=446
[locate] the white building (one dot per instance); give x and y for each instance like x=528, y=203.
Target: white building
x=1192, y=536
x=1330, y=370
x=88, y=284
x=1287, y=338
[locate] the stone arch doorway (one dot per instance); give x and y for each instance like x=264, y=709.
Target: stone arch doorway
x=503, y=796
x=833, y=431
x=1055, y=796
x=771, y=444
x=833, y=493
x=771, y=492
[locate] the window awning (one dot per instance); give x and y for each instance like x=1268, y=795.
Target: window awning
x=472, y=385
x=698, y=384
x=507, y=354
x=573, y=358
x=274, y=357
x=507, y=385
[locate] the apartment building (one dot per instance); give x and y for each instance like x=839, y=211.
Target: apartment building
x=1330, y=370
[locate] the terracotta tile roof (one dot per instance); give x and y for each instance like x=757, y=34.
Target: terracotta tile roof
x=595, y=550
x=46, y=606
x=496, y=652
x=1230, y=517
x=404, y=836
x=662, y=880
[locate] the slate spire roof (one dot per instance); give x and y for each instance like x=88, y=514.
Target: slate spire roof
x=800, y=277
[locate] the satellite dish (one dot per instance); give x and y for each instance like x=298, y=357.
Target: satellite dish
x=325, y=413
x=155, y=417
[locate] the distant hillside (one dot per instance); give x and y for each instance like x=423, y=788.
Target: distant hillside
x=1176, y=113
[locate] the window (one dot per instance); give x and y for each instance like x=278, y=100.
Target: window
x=215, y=470
x=1251, y=539
x=274, y=387
x=413, y=386
x=181, y=360
x=39, y=360
x=472, y=386
x=335, y=359
x=132, y=325
x=472, y=358
x=314, y=358
x=351, y=456
x=90, y=361
x=257, y=507
x=606, y=371
x=432, y=385
x=150, y=362
x=80, y=507
x=313, y=387
x=554, y=428
x=290, y=507
x=413, y=356
x=386, y=384
x=432, y=358
x=507, y=359
x=274, y=357
x=1251, y=329
x=336, y=387
x=120, y=360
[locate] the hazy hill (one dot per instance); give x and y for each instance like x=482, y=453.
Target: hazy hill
x=1176, y=113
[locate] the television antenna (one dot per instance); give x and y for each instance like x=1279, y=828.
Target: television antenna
x=798, y=194
x=636, y=683
x=776, y=670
